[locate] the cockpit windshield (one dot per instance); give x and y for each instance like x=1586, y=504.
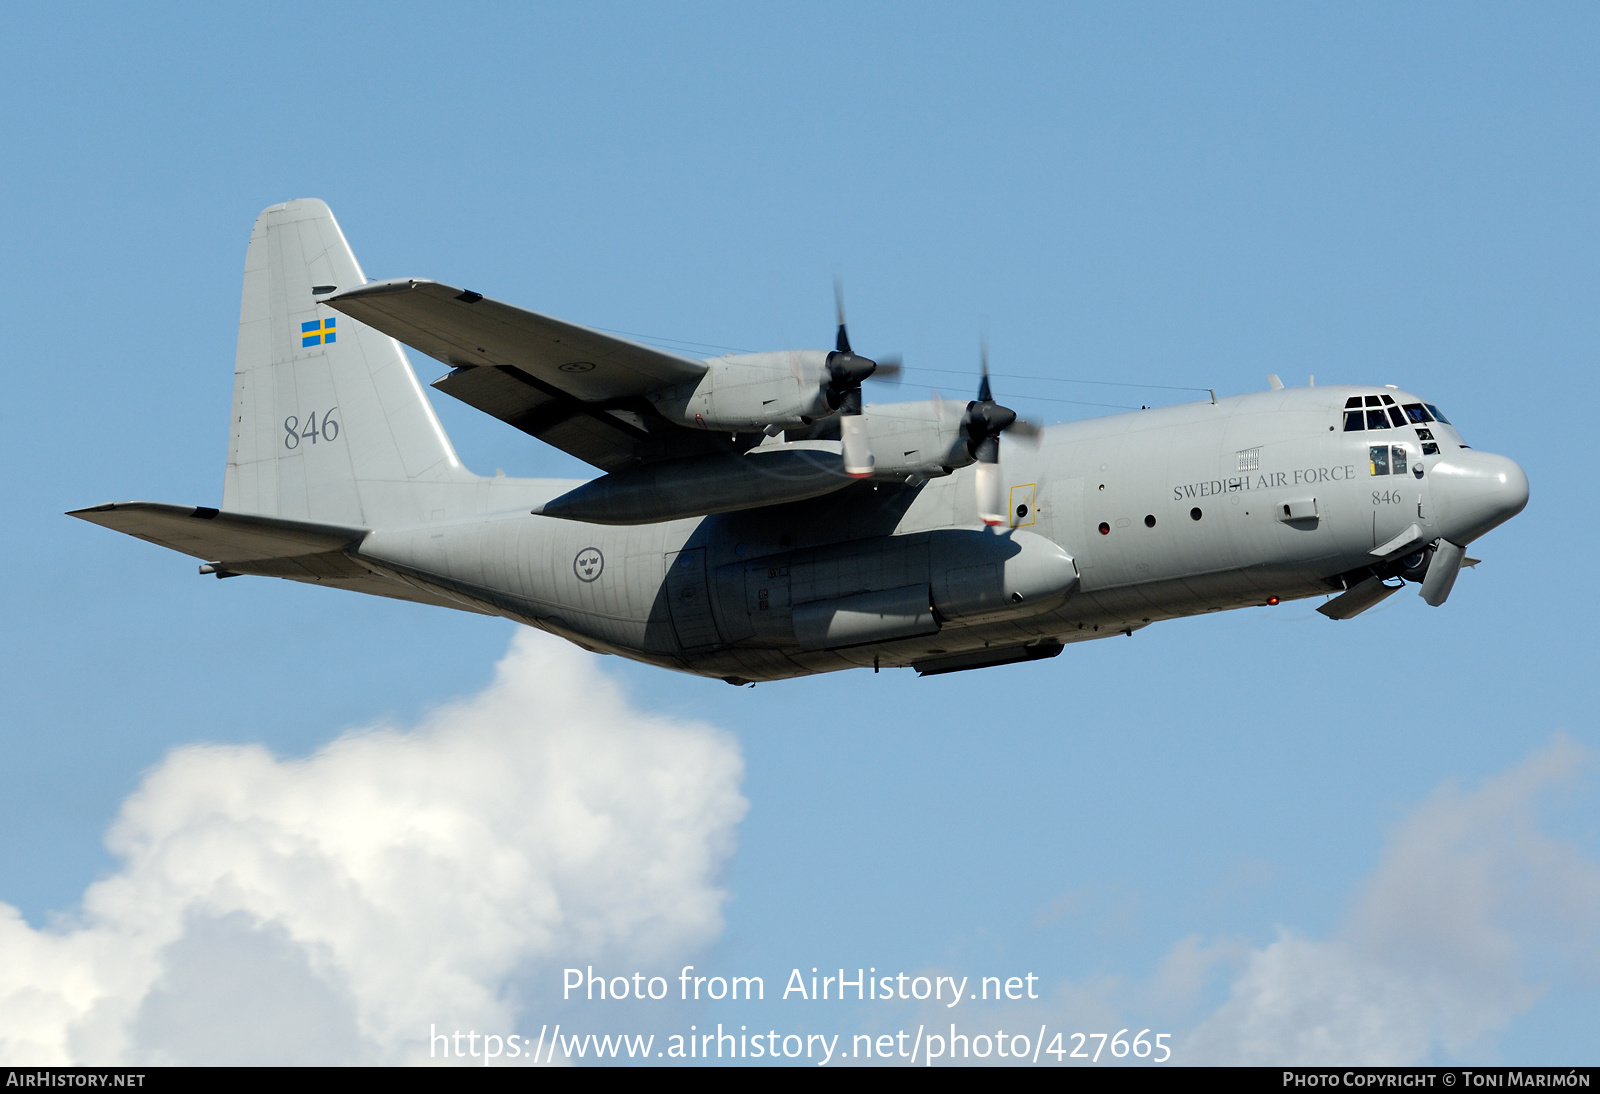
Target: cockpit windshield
x=1368, y=413
x=1362, y=412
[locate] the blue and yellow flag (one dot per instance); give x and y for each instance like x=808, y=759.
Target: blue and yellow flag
x=318, y=332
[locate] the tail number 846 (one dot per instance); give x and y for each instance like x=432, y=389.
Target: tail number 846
x=311, y=432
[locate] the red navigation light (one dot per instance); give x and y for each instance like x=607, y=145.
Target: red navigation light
x=1272, y=600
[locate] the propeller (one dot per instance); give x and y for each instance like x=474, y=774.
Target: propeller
x=846, y=371
x=983, y=423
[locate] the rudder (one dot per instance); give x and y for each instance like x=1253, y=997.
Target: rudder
x=329, y=421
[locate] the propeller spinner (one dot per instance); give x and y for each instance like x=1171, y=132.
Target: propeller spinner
x=983, y=423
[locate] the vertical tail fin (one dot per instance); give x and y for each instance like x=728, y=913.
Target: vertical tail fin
x=329, y=422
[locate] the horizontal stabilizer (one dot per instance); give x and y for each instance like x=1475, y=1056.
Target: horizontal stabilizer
x=1358, y=598
x=241, y=543
x=217, y=536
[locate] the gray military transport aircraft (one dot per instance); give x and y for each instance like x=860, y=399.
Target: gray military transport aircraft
x=756, y=521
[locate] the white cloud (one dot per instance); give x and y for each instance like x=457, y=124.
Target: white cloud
x=1470, y=903
x=330, y=908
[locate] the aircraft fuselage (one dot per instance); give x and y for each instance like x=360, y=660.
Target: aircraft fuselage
x=1158, y=514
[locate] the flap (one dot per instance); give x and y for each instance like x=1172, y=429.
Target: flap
x=217, y=536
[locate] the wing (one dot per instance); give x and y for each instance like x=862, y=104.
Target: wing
x=581, y=390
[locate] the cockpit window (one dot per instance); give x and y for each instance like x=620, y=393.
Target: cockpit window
x=1382, y=412
x=1387, y=459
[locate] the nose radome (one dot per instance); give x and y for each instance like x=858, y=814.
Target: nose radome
x=1475, y=492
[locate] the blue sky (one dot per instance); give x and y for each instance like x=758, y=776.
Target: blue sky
x=1171, y=196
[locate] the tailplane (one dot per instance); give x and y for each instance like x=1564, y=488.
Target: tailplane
x=329, y=423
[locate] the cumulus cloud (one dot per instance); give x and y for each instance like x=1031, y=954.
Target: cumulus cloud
x=328, y=909
x=1471, y=912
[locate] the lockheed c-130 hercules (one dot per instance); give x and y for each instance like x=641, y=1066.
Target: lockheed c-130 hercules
x=756, y=521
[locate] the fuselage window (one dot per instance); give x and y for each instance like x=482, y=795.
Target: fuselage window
x=1397, y=460
x=1379, y=457
x=1376, y=420
x=1396, y=417
x=1418, y=413
x=1354, y=420
x=1429, y=448
x=1435, y=412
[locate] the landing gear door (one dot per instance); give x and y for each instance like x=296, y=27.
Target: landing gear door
x=689, y=600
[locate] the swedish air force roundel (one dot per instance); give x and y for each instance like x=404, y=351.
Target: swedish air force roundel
x=588, y=564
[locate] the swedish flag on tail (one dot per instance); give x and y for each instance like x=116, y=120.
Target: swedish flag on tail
x=318, y=332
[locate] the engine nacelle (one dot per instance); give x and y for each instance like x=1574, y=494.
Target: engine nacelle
x=749, y=392
x=920, y=438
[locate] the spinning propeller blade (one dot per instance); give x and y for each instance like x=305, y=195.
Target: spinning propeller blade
x=983, y=423
x=846, y=372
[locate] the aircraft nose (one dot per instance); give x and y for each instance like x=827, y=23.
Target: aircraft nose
x=1475, y=492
